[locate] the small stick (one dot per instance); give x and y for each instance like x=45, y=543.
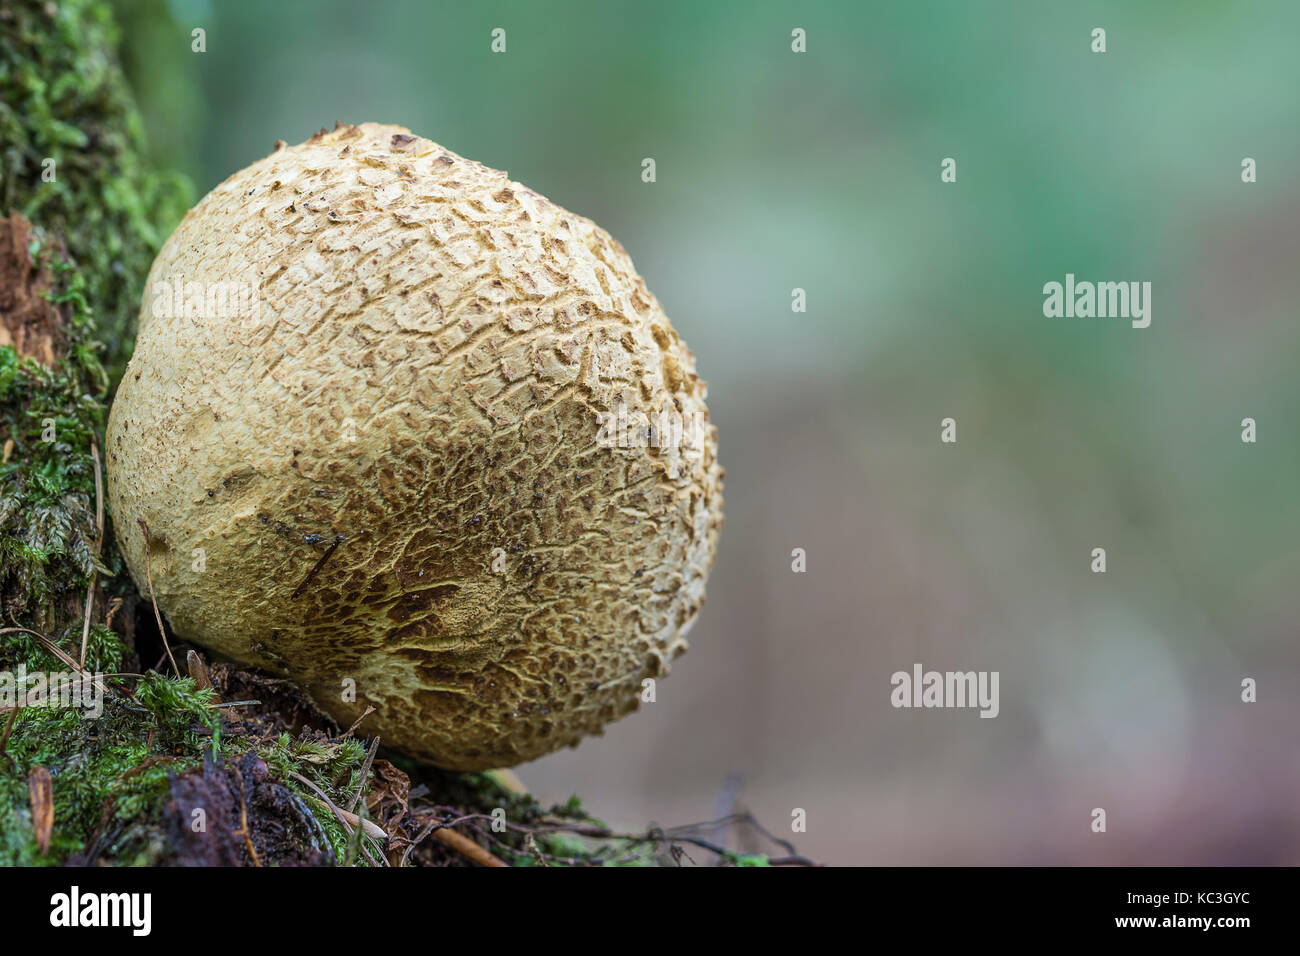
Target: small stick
x=148, y=576
x=440, y=830
x=141, y=767
x=114, y=605
x=369, y=710
x=466, y=847
x=316, y=569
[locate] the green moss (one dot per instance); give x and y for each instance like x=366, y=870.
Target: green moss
x=119, y=766
x=105, y=653
x=63, y=98
x=49, y=420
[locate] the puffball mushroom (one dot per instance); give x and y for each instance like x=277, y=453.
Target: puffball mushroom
x=410, y=434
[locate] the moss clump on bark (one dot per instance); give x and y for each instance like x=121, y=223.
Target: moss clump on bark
x=72, y=146
x=50, y=416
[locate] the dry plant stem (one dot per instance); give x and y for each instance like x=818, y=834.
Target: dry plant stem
x=48, y=644
x=316, y=567
x=114, y=605
x=243, y=823
x=365, y=769
x=349, y=820
x=99, y=498
x=357, y=723
x=148, y=574
x=99, y=543
x=85, y=627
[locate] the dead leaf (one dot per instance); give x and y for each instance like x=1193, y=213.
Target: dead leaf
x=388, y=796
x=198, y=670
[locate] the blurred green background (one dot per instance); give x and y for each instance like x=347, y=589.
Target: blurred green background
x=821, y=171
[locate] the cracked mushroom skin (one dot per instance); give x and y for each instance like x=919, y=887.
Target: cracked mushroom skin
x=386, y=427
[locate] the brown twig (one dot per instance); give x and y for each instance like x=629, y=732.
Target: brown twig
x=674, y=841
x=338, y=539
x=141, y=767
x=466, y=847
x=114, y=605
x=357, y=723
x=243, y=822
x=441, y=831
x=148, y=576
